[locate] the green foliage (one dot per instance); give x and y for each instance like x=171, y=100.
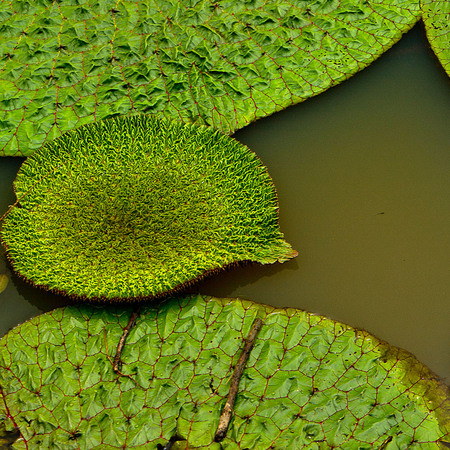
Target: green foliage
x=137, y=206
x=436, y=16
x=224, y=63
x=310, y=382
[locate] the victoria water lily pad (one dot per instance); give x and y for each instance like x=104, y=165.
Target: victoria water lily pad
x=309, y=382
x=224, y=63
x=436, y=15
x=137, y=206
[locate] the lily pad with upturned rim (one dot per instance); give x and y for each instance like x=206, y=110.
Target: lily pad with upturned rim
x=137, y=207
x=310, y=382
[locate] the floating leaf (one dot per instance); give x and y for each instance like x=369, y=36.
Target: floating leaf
x=222, y=63
x=310, y=382
x=3, y=282
x=436, y=16
x=138, y=206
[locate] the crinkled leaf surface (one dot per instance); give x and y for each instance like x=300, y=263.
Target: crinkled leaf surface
x=310, y=382
x=224, y=63
x=137, y=206
x=436, y=16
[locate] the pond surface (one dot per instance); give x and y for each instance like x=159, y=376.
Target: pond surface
x=363, y=177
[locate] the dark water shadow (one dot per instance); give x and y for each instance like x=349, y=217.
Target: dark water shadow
x=36, y=296
x=223, y=283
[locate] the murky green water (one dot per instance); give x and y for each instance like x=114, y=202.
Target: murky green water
x=363, y=176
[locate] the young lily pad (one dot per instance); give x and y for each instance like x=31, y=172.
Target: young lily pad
x=221, y=63
x=309, y=382
x=136, y=206
x=436, y=16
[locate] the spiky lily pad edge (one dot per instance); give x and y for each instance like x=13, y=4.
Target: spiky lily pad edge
x=73, y=299
x=177, y=290
x=276, y=249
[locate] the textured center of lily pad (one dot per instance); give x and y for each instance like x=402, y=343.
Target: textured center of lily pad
x=139, y=206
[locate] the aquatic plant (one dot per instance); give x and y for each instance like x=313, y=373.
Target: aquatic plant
x=220, y=63
x=309, y=382
x=137, y=207
x=436, y=16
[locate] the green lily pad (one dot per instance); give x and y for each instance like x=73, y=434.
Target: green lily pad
x=221, y=63
x=137, y=206
x=436, y=16
x=310, y=382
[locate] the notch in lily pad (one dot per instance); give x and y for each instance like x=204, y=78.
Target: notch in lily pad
x=136, y=207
